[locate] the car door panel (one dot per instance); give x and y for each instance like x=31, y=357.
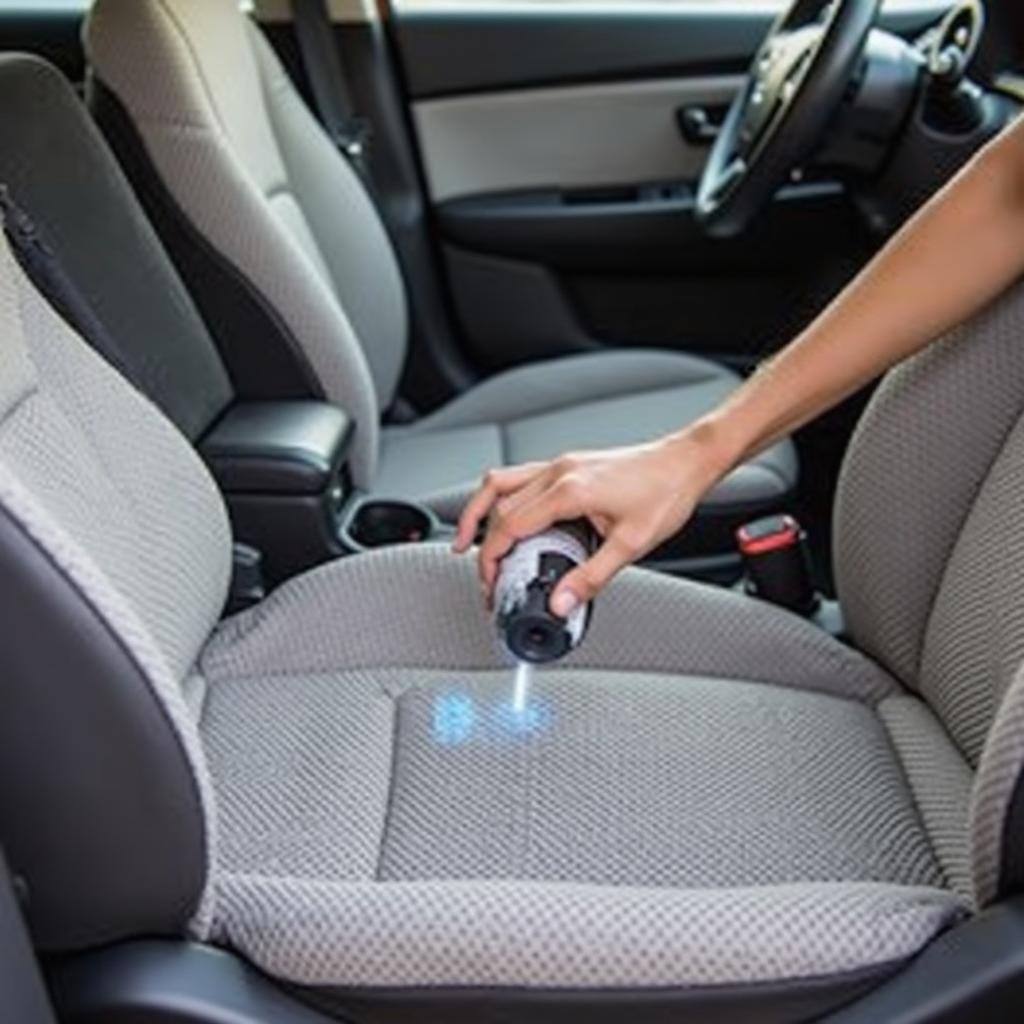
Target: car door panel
x=562, y=182
x=552, y=271
x=574, y=136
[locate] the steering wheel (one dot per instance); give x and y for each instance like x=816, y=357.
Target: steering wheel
x=796, y=81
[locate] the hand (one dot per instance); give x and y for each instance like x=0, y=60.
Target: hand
x=635, y=497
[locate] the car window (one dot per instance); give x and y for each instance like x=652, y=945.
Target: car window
x=43, y=5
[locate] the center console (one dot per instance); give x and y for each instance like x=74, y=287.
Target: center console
x=282, y=467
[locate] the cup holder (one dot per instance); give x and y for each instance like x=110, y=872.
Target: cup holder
x=375, y=523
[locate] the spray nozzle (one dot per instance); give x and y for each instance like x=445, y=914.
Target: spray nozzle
x=528, y=576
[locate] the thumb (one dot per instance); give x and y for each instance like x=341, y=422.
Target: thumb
x=584, y=582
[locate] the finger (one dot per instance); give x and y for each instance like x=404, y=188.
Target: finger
x=504, y=508
x=509, y=506
x=587, y=580
x=496, y=483
x=554, y=503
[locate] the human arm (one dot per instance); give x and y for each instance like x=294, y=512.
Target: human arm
x=959, y=252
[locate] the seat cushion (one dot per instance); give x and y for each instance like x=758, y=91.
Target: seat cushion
x=539, y=411
x=707, y=793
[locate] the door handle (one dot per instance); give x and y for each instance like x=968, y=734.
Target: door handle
x=697, y=126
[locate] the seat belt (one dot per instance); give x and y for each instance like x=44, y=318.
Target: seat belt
x=41, y=266
x=331, y=93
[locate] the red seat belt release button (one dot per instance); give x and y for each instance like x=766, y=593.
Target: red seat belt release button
x=775, y=556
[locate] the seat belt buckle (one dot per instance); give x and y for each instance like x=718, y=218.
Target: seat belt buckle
x=247, y=581
x=777, y=563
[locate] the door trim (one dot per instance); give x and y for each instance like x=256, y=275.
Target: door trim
x=569, y=137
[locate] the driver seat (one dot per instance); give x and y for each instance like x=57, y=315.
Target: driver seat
x=285, y=253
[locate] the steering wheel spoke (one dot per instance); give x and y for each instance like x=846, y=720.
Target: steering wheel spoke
x=731, y=177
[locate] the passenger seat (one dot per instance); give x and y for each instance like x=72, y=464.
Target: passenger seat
x=711, y=810
x=288, y=259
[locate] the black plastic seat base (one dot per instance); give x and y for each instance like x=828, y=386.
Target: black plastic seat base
x=166, y=982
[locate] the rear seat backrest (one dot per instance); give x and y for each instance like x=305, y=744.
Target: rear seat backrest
x=259, y=182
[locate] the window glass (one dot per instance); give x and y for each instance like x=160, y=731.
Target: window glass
x=43, y=5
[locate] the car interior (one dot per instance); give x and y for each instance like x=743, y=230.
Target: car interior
x=280, y=282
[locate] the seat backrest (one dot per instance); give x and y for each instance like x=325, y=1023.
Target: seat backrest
x=61, y=172
x=929, y=555
x=115, y=558
x=256, y=182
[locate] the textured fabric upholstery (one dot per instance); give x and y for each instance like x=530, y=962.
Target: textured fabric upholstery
x=550, y=936
x=589, y=401
x=934, y=595
x=333, y=617
x=706, y=784
x=709, y=791
x=530, y=391
x=975, y=639
x=114, y=475
x=189, y=75
x=930, y=435
x=999, y=775
x=250, y=167
x=59, y=169
x=938, y=605
x=941, y=781
x=119, y=502
x=365, y=275
x=439, y=468
x=731, y=799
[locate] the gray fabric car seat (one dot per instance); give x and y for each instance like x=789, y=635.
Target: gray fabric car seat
x=209, y=124
x=710, y=800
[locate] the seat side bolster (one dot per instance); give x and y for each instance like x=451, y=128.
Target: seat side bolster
x=941, y=782
x=572, y=936
x=113, y=841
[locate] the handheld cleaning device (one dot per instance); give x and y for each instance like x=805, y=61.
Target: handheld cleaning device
x=528, y=576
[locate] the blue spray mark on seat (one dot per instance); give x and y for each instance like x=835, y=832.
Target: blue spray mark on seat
x=454, y=719
x=512, y=719
x=458, y=718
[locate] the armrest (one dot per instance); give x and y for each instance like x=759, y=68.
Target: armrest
x=278, y=447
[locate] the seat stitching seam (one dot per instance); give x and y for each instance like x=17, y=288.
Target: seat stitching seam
x=968, y=511
x=912, y=792
x=865, y=699
x=18, y=405
x=393, y=771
